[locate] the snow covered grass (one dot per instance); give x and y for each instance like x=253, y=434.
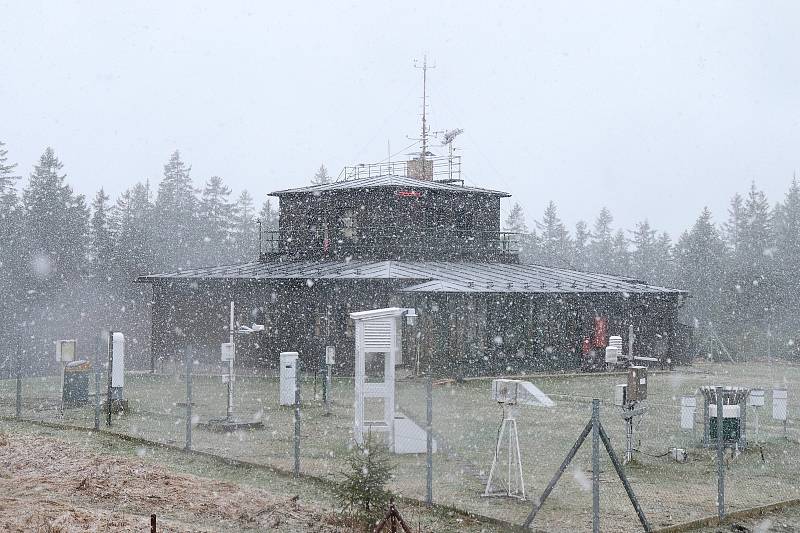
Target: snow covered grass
x=467, y=422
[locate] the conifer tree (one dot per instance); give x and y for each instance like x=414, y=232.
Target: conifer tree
x=56, y=228
x=321, y=177
x=527, y=242
x=787, y=225
x=619, y=255
x=102, y=245
x=8, y=178
x=268, y=216
x=515, y=221
x=245, y=231
x=750, y=288
x=136, y=252
x=176, y=216
x=734, y=227
x=642, y=258
x=786, y=321
x=601, y=242
x=555, y=242
x=10, y=247
x=701, y=259
x=56, y=223
x=362, y=488
x=135, y=232
x=216, y=220
x=664, y=261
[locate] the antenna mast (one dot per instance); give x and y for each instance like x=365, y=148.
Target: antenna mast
x=424, y=107
x=424, y=153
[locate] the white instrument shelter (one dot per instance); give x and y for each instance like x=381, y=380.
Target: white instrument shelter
x=379, y=331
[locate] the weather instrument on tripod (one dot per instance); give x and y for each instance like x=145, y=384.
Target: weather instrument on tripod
x=511, y=393
x=629, y=397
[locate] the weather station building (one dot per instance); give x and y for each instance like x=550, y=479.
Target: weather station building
x=406, y=234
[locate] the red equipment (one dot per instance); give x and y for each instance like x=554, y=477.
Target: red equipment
x=600, y=332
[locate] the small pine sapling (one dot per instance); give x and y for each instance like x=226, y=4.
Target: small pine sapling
x=362, y=487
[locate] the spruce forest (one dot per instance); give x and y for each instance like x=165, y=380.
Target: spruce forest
x=70, y=262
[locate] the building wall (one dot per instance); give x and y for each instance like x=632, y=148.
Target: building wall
x=459, y=334
x=390, y=224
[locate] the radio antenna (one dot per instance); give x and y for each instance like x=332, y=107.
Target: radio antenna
x=424, y=68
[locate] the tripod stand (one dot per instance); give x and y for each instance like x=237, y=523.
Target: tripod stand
x=514, y=483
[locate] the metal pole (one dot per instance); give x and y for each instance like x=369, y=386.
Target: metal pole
x=328, y=388
x=624, y=479
x=188, y=400
x=756, y=414
x=720, y=462
x=596, y=466
x=97, y=375
x=63, y=371
x=629, y=434
x=229, y=410
x=429, y=440
x=108, y=372
x=297, y=421
x=18, y=370
x=537, y=504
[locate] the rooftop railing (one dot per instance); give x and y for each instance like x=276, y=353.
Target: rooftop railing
x=391, y=242
x=436, y=168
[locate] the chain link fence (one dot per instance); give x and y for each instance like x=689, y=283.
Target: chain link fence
x=186, y=407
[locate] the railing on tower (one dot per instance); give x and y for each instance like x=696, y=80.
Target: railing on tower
x=435, y=168
x=392, y=242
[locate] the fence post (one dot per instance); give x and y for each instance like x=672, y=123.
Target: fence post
x=18, y=371
x=188, y=400
x=429, y=440
x=327, y=390
x=596, y=466
x=108, y=372
x=97, y=382
x=297, y=422
x=720, y=459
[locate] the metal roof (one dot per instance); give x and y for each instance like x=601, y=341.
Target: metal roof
x=388, y=181
x=430, y=276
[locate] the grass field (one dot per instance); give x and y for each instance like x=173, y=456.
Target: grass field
x=466, y=421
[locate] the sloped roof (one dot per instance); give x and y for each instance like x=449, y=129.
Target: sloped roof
x=430, y=276
x=388, y=181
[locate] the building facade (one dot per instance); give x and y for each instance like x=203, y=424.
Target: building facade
x=395, y=240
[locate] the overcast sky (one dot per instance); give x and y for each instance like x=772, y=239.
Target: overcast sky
x=653, y=109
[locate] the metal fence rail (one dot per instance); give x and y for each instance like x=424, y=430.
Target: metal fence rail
x=459, y=425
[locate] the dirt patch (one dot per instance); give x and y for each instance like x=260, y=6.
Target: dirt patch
x=50, y=485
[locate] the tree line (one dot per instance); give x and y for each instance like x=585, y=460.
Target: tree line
x=67, y=265
x=743, y=275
